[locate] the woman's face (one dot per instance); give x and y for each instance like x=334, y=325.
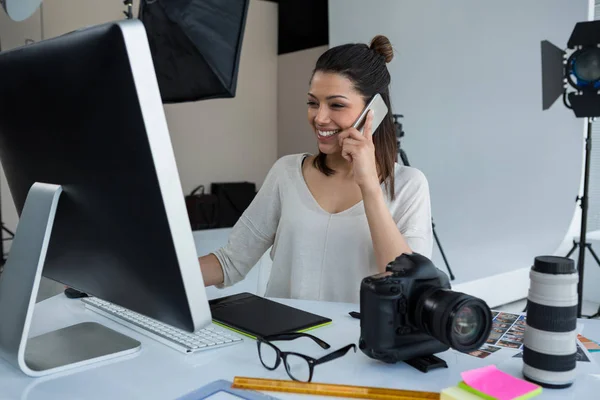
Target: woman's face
x=333, y=105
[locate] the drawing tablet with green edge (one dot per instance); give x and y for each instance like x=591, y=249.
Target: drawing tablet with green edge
x=254, y=316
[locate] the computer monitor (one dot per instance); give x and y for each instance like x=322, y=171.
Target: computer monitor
x=83, y=136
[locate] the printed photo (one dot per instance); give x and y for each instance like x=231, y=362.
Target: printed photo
x=581, y=355
x=590, y=345
x=494, y=336
x=512, y=338
x=479, y=353
x=510, y=345
x=491, y=349
x=515, y=332
x=506, y=318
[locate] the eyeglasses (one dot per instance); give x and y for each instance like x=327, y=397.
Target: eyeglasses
x=298, y=366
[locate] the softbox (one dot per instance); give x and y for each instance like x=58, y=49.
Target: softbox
x=195, y=45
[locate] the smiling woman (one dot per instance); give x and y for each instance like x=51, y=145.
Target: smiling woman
x=350, y=80
x=333, y=218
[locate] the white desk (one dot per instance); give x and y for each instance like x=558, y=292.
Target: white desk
x=157, y=372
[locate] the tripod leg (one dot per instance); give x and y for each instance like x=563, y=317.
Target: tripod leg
x=595, y=315
x=589, y=246
x=572, y=249
x=437, y=240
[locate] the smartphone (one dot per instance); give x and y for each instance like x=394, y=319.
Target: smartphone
x=380, y=110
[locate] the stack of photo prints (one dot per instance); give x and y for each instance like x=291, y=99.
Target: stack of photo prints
x=508, y=331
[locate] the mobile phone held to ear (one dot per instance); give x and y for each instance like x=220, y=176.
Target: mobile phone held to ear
x=380, y=110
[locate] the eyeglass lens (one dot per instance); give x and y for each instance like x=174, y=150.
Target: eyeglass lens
x=268, y=355
x=297, y=367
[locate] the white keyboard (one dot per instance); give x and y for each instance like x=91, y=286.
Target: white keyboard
x=204, y=339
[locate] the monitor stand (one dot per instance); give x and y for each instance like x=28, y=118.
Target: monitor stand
x=63, y=349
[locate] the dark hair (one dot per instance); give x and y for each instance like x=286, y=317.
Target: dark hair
x=366, y=68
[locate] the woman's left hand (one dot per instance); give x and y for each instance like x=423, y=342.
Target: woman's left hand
x=359, y=150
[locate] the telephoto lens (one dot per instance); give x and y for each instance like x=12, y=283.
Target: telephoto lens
x=550, y=341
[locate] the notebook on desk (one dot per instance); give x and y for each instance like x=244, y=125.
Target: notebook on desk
x=254, y=316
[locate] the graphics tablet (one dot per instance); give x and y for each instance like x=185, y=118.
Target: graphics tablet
x=254, y=316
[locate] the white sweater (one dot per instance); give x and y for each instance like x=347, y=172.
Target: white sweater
x=318, y=255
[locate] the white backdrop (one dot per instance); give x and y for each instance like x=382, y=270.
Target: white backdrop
x=503, y=174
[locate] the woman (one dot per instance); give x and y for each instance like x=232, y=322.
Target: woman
x=344, y=214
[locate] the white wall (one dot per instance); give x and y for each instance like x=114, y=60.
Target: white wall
x=234, y=139
x=214, y=140
x=293, y=74
x=503, y=173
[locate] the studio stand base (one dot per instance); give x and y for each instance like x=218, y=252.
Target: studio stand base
x=588, y=246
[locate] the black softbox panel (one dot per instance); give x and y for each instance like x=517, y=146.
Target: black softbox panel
x=195, y=45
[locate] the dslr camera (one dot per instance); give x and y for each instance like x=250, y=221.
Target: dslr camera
x=409, y=311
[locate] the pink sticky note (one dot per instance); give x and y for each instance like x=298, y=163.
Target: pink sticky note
x=477, y=374
x=497, y=384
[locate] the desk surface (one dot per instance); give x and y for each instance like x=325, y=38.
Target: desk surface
x=158, y=372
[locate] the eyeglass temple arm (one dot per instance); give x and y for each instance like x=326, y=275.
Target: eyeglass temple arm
x=295, y=335
x=336, y=354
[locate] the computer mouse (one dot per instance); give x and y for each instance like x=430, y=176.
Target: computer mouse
x=74, y=294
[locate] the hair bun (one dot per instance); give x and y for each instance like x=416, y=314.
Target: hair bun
x=381, y=44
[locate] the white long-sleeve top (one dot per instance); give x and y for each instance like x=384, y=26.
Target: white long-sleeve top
x=318, y=255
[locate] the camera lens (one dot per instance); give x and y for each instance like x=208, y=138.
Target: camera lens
x=465, y=324
x=458, y=320
x=550, y=341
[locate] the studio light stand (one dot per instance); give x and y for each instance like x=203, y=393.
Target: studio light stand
x=583, y=202
x=581, y=70
x=402, y=155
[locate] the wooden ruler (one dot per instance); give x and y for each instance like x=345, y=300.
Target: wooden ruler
x=327, y=389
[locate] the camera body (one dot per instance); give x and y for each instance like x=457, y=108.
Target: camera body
x=409, y=311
